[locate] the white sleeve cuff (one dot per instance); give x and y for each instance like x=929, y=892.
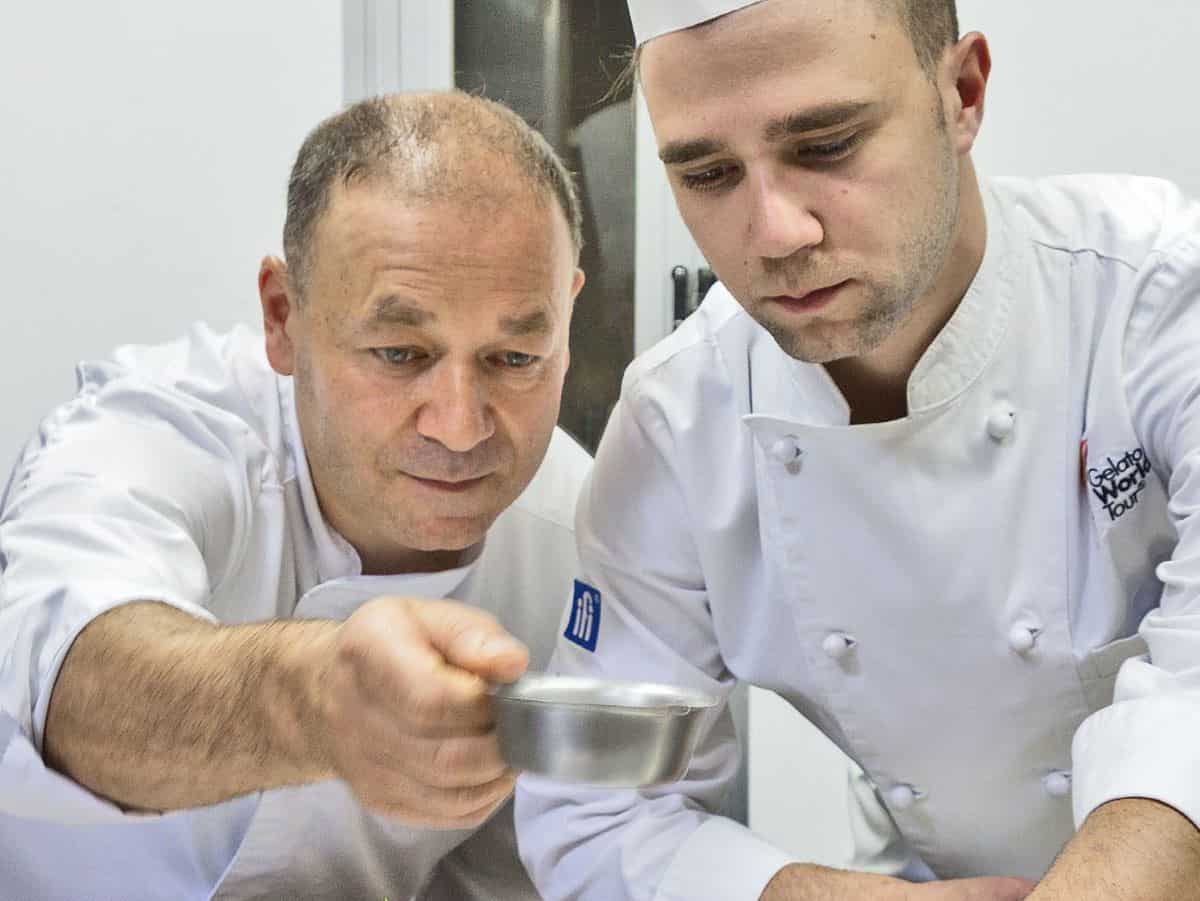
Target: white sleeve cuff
x=721, y=861
x=1143, y=748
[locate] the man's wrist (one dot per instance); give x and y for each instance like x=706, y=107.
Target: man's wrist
x=292, y=698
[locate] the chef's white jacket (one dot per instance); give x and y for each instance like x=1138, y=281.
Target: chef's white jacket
x=177, y=474
x=949, y=597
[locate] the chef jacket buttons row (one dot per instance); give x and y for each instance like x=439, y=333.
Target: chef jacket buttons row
x=787, y=451
x=1001, y=422
x=902, y=797
x=838, y=644
x=1057, y=783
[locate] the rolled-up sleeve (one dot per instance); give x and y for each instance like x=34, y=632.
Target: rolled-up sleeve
x=636, y=552
x=124, y=495
x=1147, y=743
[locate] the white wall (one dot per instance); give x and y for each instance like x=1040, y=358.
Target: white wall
x=1090, y=86
x=144, y=153
x=1077, y=86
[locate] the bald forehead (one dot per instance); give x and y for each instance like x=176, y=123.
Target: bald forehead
x=445, y=172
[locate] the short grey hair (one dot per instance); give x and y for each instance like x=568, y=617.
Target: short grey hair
x=437, y=146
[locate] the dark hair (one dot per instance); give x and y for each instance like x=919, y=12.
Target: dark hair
x=932, y=26
x=430, y=146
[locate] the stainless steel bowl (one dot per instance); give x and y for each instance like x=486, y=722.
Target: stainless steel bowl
x=615, y=734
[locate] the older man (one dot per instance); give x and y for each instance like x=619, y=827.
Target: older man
x=227, y=667
x=922, y=465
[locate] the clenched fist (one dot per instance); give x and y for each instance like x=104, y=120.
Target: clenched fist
x=403, y=713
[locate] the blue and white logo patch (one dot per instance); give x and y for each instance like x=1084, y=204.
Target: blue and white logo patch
x=583, y=628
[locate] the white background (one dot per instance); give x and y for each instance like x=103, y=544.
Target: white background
x=144, y=154
x=1090, y=86
x=144, y=151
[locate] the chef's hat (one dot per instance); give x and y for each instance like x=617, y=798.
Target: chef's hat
x=652, y=18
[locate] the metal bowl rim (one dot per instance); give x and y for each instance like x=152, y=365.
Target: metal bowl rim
x=687, y=699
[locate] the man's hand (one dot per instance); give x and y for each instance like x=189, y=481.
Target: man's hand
x=804, y=882
x=403, y=714
x=157, y=710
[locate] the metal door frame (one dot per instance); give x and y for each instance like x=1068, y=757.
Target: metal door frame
x=396, y=45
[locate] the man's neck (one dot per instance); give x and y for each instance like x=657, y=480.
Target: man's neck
x=399, y=563
x=875, y=385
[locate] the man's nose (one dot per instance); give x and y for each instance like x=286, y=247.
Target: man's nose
x=781, y=220
x=456, y=413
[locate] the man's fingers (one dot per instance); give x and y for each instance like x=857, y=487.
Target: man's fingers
x=472, y=640
x=418, y=804
x=415, y=658
x=446, y=702
x=443, y=763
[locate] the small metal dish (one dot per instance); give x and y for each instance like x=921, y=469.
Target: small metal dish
x=597, y=732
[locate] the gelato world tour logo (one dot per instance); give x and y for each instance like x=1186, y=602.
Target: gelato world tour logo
x=1118, y=483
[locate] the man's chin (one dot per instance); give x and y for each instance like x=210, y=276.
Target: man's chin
x=824, y=342
x=449, y=534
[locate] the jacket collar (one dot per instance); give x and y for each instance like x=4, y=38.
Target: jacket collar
x=969, y=341
x=957, y=356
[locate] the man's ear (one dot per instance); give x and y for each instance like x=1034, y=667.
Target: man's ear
x=968, y=64
x=279, y=308
x=577, y=284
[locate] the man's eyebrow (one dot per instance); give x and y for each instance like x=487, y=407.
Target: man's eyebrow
x=816, y=118
x=394, y=310
x=677, y=152
x=535, y=323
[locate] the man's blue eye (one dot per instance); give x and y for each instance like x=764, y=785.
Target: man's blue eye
x=706, y=180
x=516, y=360
x=833, y=150
x=397, y=356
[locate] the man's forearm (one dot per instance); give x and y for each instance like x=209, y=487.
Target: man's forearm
x=154, y=709
x=1132, y=848
x=805, y=882
x=808, y=882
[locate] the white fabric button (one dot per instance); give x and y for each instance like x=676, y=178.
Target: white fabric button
x=1057, y=783
x=1022, y=637
x=786, y=450
x=902, y=797
x=1002, y=422
x=838, y=644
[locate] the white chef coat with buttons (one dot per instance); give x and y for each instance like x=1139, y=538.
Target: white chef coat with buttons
x=950, y=596
x=177, y=474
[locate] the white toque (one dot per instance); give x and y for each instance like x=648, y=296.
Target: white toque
x=652, y=18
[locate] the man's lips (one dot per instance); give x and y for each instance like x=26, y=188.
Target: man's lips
x=455, y=486
x=813, y=300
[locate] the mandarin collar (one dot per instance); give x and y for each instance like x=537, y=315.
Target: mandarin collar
x=955, y=358
x=969, y=341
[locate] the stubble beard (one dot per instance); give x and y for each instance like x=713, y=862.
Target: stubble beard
x=888, y=303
